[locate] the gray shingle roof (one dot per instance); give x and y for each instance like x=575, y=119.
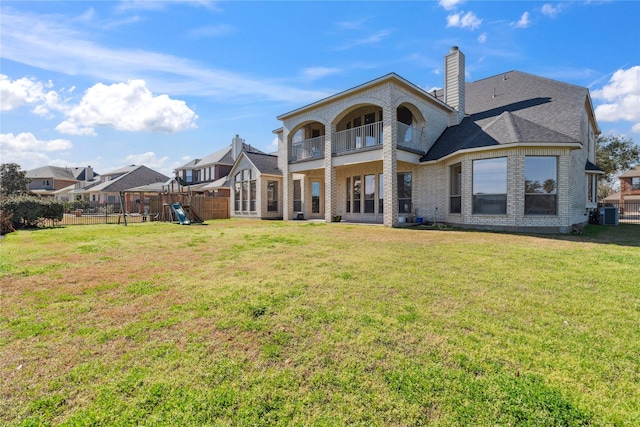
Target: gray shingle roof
x=55, y=172
x=265, y=163
x=135, y=177
x=514, y=107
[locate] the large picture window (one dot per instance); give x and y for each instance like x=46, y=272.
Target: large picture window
x=490, y=186
x=540, y=185
x=404, y=192
x=455, y=191
x=244, y=191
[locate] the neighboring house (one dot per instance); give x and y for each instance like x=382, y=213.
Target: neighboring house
x=108, y=189
x=56, y=181
x=207, y=174
x=630, y=186
x=628, y=198
x=256, y=182
x=514, y=152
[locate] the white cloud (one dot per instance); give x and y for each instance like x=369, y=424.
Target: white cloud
x=549, y=10
x=482, y=38
x=372, y=39
x=450, y=4
x=212, y=31
x=462, y=20
x=28, y=151
x=51, y=44
x=149, y=159
x=130, y=107
x=621, y=98
x=314, y=73
x=523, y=22
x=16, y=93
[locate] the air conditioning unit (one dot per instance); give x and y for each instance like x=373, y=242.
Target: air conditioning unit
x=609, y=215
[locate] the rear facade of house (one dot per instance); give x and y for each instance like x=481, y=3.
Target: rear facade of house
x=512, y=152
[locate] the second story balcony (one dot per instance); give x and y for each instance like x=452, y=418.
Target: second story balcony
x=367, y=137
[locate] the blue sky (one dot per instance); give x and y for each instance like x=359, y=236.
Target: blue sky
x=113, y=83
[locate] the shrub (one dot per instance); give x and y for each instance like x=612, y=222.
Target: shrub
x=6, y=225
x=29, y=212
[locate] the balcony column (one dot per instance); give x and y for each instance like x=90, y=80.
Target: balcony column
x=284, y=151
x=390, y=167
x=330, y=193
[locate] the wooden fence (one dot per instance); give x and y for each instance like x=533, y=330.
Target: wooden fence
x=197, y=207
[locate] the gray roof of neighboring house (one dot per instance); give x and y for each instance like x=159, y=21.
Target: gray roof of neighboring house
x=130, y=177
x=265, y=163
x=514, y=107
x=55, y=172
x=222, y=156
x=634, y=172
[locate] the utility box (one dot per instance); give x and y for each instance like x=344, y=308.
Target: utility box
x=609, y=215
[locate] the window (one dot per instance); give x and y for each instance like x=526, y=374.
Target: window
x=490, y=186
x=357, y=185
x=297, y=196
x=404, y=192
x=455, y=190
x=272, y=196
x=252, y=195
x=592, y=188
x=540, y=185
x=188, y=175
x=236, y=195
x=315, y=197
x=380, y=193
x=369, y=193
x=635, y=183
x=244, y=191
x=349, y=195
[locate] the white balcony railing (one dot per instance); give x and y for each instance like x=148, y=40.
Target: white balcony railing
x=361, y=137
x=308, y=149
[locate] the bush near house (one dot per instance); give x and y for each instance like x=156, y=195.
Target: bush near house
x=30, y=212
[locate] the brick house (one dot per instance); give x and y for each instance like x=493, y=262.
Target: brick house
x=513, y=152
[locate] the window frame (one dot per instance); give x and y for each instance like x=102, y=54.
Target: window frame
x=482, y=201
x=544, y=202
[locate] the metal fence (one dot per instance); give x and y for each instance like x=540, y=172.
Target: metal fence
x=628, y=212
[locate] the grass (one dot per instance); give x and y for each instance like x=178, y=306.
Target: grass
x=295, y=323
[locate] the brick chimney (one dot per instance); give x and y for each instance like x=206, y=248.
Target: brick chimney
x=237, y=145
x=454, y=81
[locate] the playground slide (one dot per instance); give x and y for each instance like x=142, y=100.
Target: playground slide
x=180, y=215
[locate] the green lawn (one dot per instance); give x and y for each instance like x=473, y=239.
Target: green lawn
x=297, y=323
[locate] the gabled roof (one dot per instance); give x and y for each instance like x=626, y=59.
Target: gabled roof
x=634, y=172
x=222, y=157
x=54, y=172
x=515, y=107
x=135, y=177
x=218, y=183
x=391, y=77
x=265, y=163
